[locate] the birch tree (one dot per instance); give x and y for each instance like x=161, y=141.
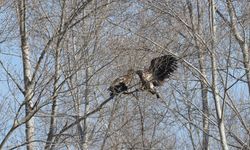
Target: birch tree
x=241, y=39
x=27, y=76
x=219, y=109
x=201, y=54
x=58, y=58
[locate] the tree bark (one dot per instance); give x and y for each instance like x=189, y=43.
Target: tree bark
x=52, y=126
x=86, y=110
x=242, y=42
x=201, y=58
x=29, y=130
x=219, y=111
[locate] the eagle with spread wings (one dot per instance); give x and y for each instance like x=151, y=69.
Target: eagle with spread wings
x=160, y=69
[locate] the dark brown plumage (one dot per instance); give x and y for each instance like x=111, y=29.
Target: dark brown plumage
x=160, y=69
x=121, y=84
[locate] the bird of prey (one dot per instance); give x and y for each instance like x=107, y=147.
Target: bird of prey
x=120, y=84
x=160, y=69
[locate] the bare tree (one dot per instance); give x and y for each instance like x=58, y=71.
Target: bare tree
x=57, y=56
x=219, y=110
x=27, y=76
x=71, y=52
x=242, y=41
x=201, y=54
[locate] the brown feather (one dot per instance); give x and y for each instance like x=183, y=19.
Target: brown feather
x=160, y=69
x=121, y=84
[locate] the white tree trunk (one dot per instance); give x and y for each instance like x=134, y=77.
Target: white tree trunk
x=86, y=110
x=53, y=120
x=26, y=75
x=219, y=111
x=202, y=65
x=242, y=42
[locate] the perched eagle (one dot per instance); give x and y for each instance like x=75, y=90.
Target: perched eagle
x=121, y=84
x=159, y=69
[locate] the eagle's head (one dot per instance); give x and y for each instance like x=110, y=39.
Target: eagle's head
x=131, y=72
x=139, y=72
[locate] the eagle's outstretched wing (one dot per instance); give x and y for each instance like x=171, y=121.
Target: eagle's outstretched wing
x=162, y=67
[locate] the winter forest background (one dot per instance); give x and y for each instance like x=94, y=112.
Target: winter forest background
x=58, y=57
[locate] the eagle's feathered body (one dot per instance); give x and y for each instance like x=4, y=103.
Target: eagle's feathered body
x=121, y=84
x=159, y=69
x=146, y=77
